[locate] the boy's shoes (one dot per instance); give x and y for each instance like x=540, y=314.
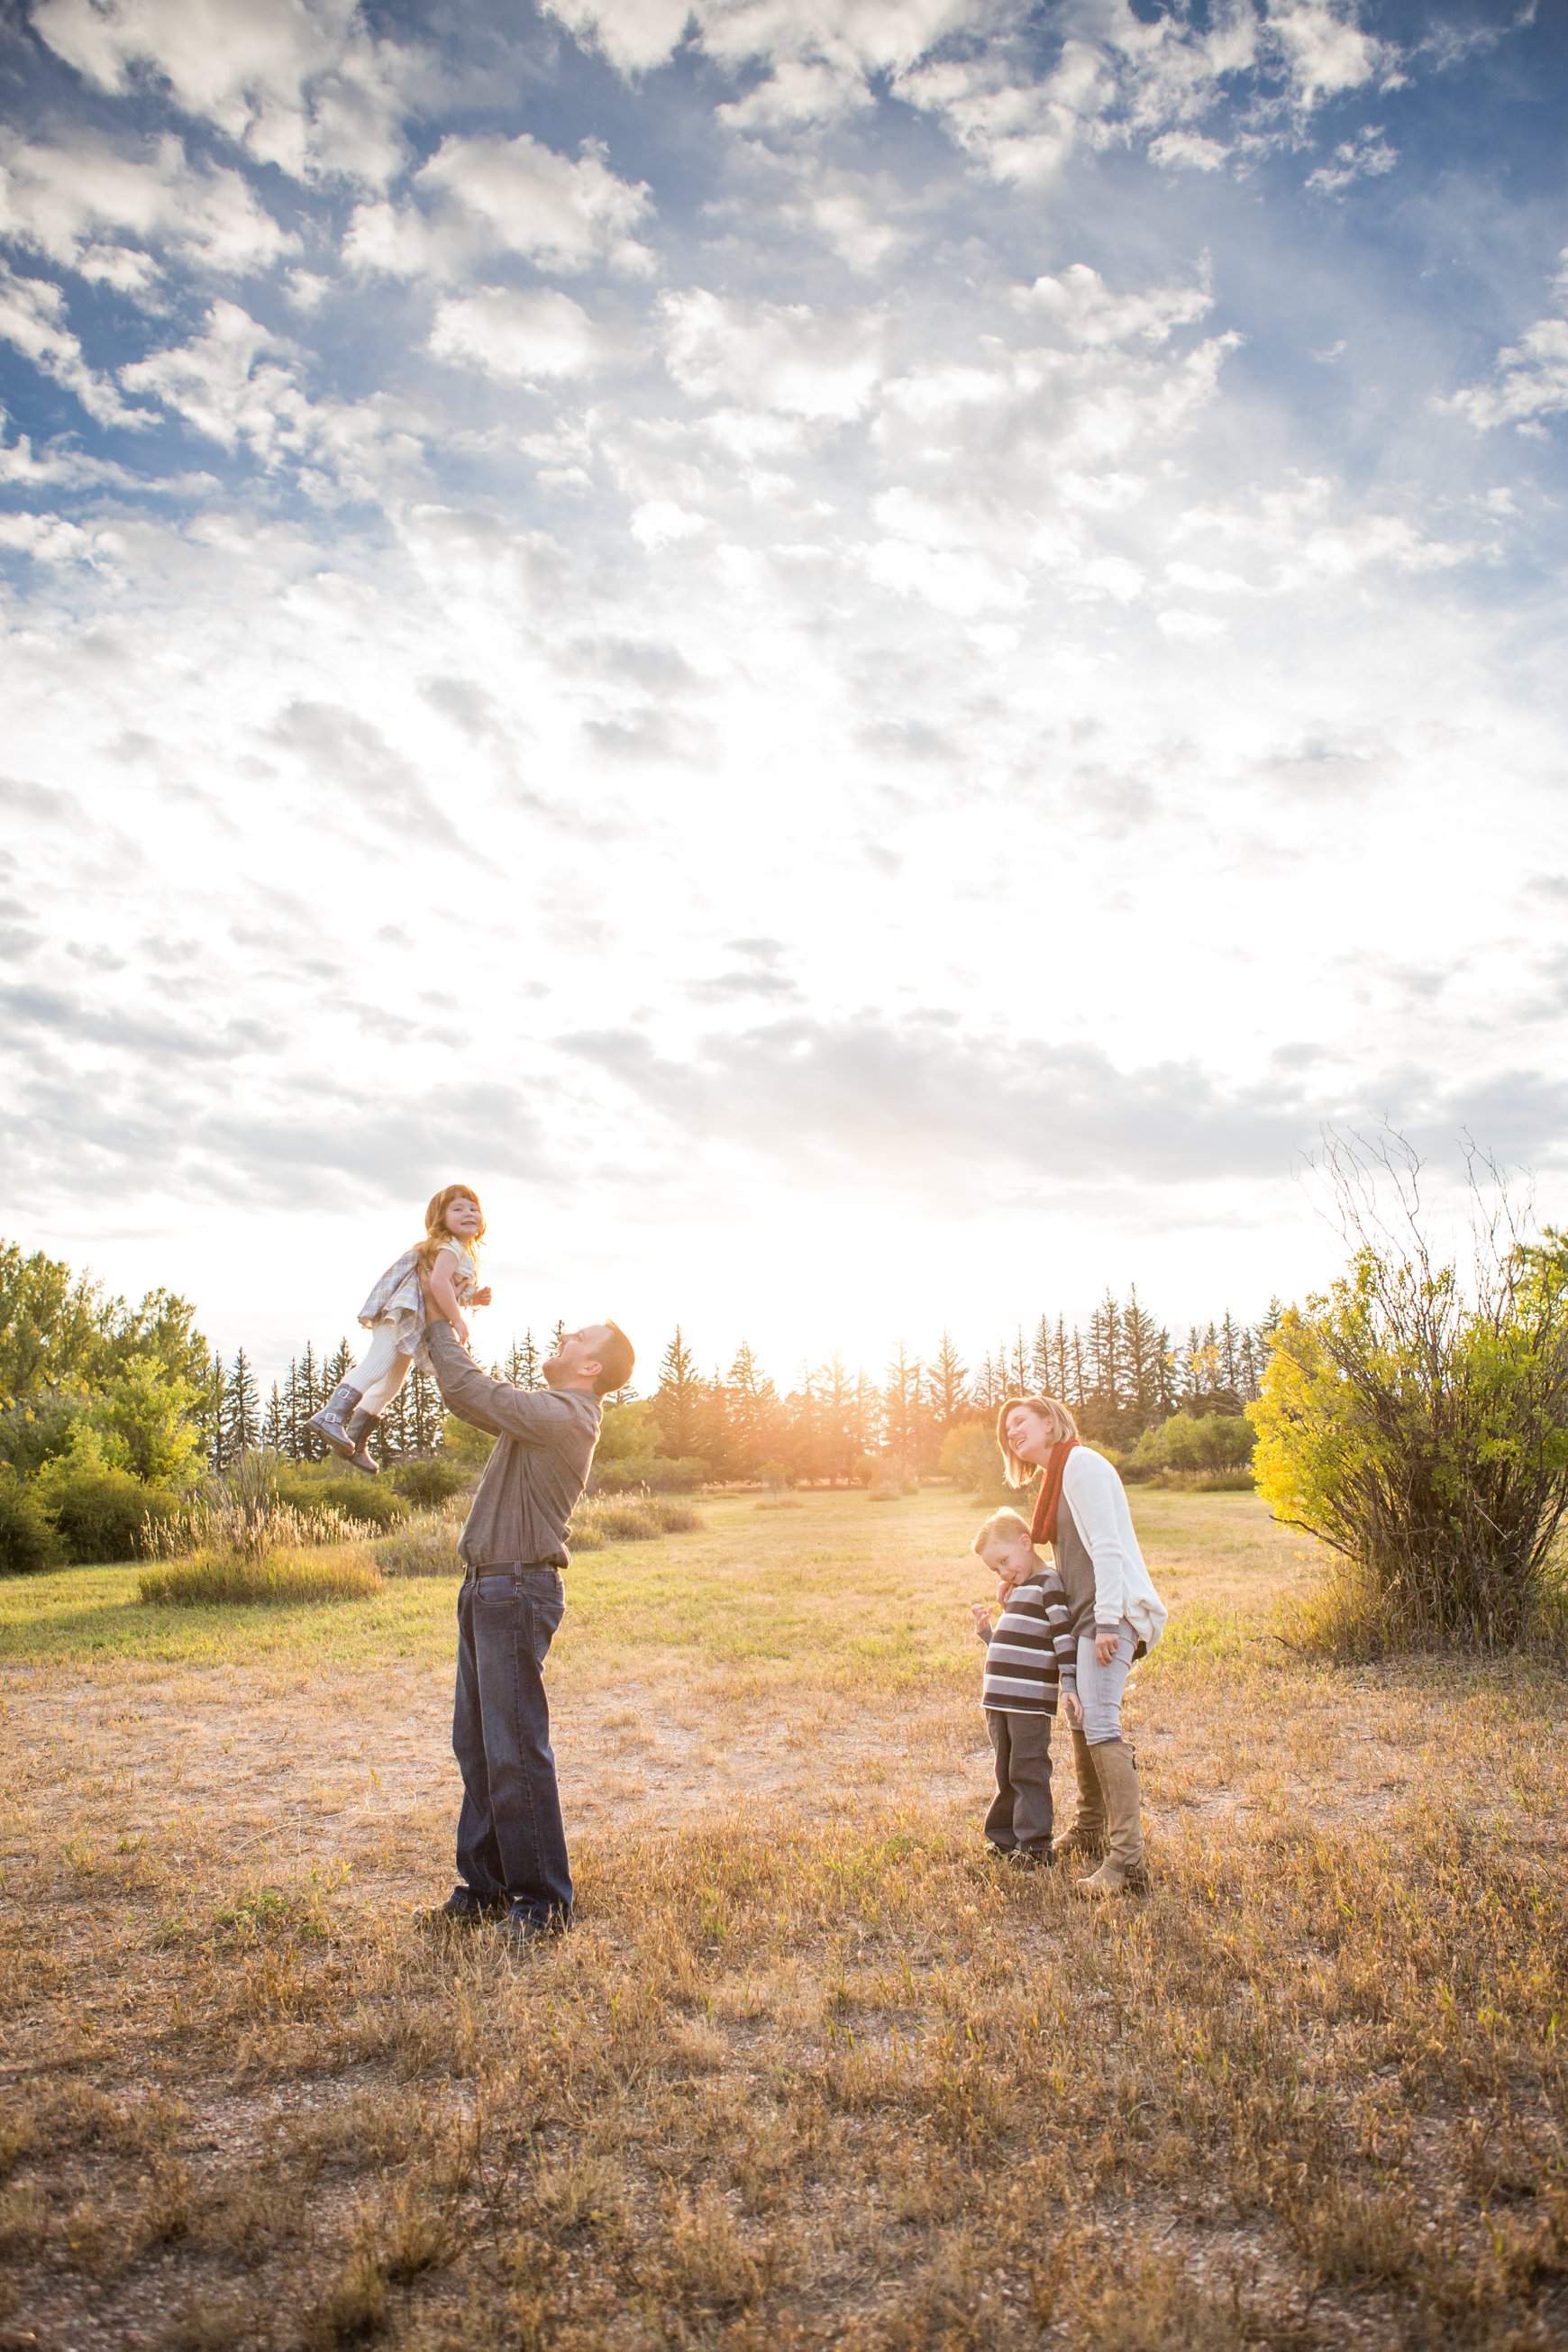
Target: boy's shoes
x=329, y=1423
x=1032, y=1857
x=463, y=1908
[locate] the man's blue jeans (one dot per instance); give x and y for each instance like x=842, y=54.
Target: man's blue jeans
x=512, y=1843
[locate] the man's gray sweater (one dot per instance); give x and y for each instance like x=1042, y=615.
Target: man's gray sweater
x=534, y=1479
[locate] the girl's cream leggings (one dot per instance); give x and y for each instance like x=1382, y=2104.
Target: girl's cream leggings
x=382, y=1371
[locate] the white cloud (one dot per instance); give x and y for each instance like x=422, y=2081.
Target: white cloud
x=1325, y=49
x=1365, y=157
x=518, y=337
x=780, y=356
x=1188, y=151
x=477, y=197
x=240, y=385
x=78, y=200
x=303, y=84
x=1529, y=378
x=659, y=522
x=33, y=320
x=1083, y=306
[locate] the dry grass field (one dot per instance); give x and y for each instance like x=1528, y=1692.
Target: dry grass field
x=809, y=2072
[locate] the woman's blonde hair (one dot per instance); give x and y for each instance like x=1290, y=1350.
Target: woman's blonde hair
x=435, y=1224
x=1058, y=1421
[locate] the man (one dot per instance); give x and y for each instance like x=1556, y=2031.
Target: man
x=512, y=1843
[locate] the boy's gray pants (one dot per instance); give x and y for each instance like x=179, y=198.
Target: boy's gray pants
x=1021, y=1812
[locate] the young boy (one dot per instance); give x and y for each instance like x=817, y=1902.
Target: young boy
x=1030, y=1656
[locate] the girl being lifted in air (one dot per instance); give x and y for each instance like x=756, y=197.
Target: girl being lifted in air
x=395, y=1315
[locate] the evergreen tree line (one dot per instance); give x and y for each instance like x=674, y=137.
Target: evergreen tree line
x=1121, y=1372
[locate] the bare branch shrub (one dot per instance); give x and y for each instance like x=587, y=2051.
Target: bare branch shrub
x=1416, y=1418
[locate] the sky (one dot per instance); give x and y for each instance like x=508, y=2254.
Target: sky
x=867, y=657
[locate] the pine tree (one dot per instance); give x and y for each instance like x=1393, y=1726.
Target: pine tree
x=902, y=1419
x=1060, y=1382
x=209, y=1410
x=678, y=1401
x=947, y=1393
x=241, y=1423
x=752, y=1419
x=522, y=1368
x=274, y=1427
x=1143, y=1356
x=308, y=1393
x=803, y=1445
x=1040, y=1358
x=423, y=1413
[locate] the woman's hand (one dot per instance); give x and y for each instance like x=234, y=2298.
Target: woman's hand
x=1072, y=1708
x=481, y=1297
x=1106, y=1644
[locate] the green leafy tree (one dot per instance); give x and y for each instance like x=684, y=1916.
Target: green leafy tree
x=149, y=1414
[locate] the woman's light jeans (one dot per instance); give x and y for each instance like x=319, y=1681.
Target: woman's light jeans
x=1100, y=1688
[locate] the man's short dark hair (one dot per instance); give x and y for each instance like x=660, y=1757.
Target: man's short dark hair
x=618, y=1361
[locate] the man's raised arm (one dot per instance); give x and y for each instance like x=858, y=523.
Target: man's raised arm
x=530, y=1415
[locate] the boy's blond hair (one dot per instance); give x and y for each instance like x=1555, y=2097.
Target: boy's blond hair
x=1002, y=1527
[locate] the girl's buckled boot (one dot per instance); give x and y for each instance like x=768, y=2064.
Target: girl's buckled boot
x=358, y=1435
x=330, y=1422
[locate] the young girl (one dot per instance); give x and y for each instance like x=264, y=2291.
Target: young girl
x=395, y=1314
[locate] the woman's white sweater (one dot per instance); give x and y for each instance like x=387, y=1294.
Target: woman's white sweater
x=1122, y=1587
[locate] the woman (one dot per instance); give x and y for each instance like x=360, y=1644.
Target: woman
x=1081, y=1512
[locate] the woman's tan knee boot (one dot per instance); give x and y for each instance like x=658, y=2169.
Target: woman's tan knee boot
x=1123, y=1871
x=1085, y=1841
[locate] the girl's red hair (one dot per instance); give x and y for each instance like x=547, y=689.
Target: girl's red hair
x=435, y=1224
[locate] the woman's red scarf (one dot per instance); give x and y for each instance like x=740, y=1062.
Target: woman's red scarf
x=1043, y=1526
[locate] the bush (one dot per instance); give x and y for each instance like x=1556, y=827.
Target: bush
x=1416, y=1422
x=1209, y=1451
x=27, y=1540
x=428, y=1546
x=971, y=1458
x=467, y=1447
x=428, y=1481
x=278, y=1580
x=327, y=1487
x=98, y=1509
x=654, y=1474
x=629, y=1519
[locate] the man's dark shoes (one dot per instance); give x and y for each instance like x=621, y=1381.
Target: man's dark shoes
x=523, y=1929
x=463, y=1908
x=999, y=1852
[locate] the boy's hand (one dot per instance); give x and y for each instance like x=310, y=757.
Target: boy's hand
x=981, y=1617
x=1106, y=1644
x=1072, y=1707
x=482, y=1297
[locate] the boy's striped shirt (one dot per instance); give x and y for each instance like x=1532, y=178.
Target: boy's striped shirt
x=1032, y=1653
